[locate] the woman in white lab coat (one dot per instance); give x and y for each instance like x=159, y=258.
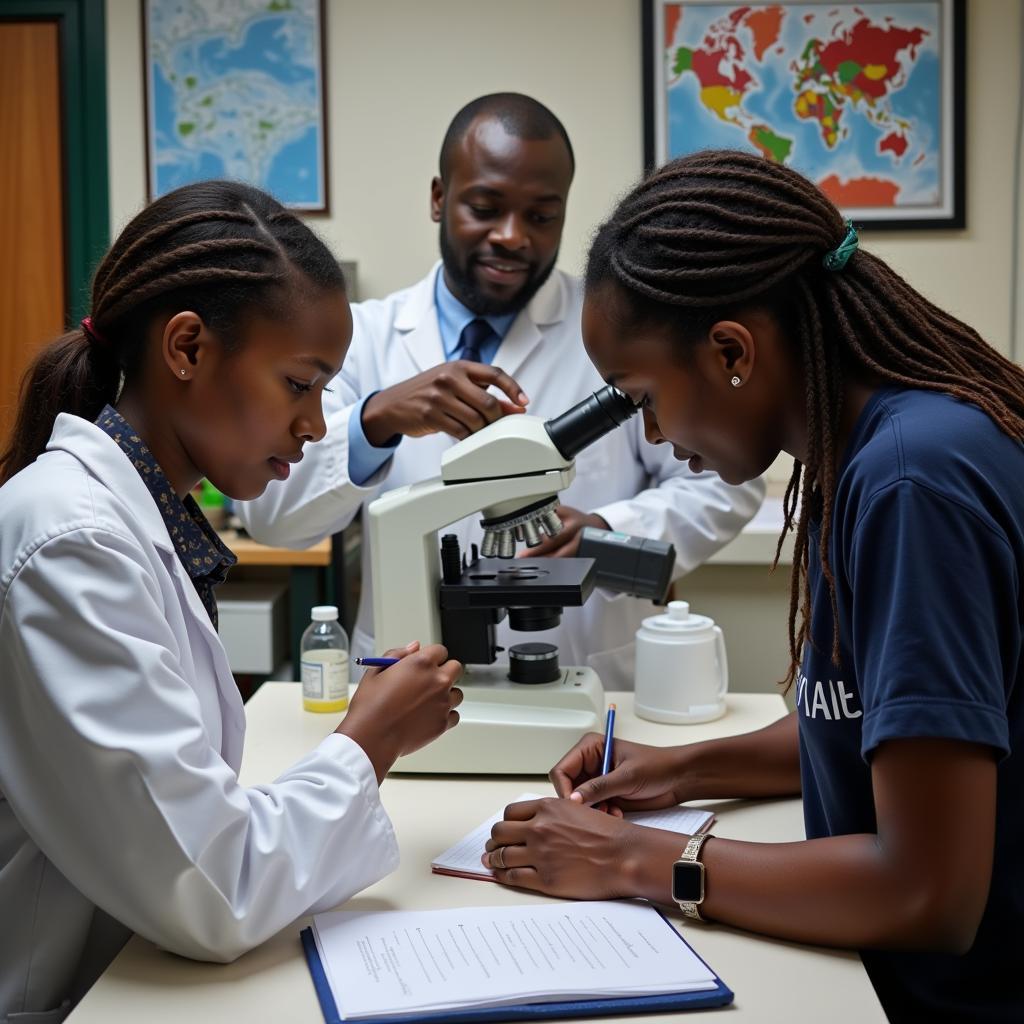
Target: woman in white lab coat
x=217, y=318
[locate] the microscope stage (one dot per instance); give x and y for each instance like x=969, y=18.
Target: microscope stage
x=521, y=583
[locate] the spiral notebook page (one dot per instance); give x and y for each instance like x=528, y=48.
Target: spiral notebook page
x=463, y=859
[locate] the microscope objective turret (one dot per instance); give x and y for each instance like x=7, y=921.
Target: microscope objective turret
x=570, y=433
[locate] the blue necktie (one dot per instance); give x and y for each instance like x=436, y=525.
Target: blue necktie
x=473, y=337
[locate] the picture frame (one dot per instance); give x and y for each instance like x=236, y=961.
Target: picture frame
x=866, y=99
x=237, y=91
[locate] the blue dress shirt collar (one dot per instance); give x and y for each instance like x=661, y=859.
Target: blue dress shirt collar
x=452, y=317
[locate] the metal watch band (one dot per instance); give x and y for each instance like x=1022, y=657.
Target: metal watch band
x=691, y=853
x=693, y=847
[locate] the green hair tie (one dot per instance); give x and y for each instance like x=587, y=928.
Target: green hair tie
x=840, y=255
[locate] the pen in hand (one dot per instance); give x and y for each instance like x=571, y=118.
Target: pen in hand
x=377, y=662
x=606, y=762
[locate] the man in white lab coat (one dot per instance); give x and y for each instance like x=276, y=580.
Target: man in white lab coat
x=495, y=314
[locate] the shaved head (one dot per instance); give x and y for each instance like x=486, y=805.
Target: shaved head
x=521, y=116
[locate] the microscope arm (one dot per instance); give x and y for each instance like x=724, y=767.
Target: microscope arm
x=403, y=526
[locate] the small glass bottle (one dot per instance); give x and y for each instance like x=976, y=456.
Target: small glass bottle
x=324, y=662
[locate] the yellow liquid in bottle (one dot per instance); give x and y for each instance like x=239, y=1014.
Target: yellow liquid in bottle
x=325, y=680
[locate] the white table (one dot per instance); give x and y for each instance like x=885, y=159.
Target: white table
x=773, y=980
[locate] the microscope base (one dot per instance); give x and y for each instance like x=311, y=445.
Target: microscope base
x=508, y=728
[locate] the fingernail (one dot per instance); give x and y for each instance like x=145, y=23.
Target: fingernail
x=523, y=400
x=483, y=860
x=412, y=645
x=577, y=796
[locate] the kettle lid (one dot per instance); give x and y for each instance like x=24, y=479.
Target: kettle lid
x=679, y=619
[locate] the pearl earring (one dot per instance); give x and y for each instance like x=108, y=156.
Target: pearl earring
x=735, y=381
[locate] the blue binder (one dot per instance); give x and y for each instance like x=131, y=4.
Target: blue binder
x=718, y=996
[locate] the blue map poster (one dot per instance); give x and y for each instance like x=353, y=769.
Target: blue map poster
x=235, y=90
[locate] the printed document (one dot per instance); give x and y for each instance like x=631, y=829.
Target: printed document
x=407, y=963
x=463, y=859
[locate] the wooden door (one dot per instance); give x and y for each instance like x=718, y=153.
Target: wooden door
x=33, y=277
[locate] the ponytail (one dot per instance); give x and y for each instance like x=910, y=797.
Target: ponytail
x=78, y=374
x=221, y=249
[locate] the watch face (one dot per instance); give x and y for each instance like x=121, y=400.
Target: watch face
x=687, y=882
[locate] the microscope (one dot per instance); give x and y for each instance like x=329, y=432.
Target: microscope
x=520, y=717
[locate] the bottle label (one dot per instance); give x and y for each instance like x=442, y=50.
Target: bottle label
x=325, y=675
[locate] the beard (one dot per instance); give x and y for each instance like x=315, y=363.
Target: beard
x=467, y=290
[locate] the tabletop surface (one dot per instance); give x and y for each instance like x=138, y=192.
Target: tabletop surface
x=773, y=980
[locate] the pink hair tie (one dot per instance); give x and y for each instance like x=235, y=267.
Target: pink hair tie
x=91, y=332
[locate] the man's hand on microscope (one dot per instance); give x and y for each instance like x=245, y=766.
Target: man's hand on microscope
x=448, y=399
x=567, y=542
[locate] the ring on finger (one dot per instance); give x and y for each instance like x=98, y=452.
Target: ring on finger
x=499, y=858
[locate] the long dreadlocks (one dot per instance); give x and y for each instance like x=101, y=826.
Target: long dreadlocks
x=719, y=230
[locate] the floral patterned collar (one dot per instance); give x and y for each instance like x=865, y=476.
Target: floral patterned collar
x=204, y=555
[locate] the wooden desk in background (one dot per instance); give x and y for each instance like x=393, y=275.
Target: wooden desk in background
x=309, y=582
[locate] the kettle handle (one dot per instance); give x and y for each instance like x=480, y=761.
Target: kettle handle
x=723, y=664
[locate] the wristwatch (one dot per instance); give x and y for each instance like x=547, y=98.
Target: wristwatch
x=688, y=878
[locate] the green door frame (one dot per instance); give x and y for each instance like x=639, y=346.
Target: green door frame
x=83, y=67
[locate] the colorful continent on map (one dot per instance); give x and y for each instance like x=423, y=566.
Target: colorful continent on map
x=718, y=64
x=861, y=67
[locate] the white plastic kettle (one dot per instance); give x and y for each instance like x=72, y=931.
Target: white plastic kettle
x=682, y=675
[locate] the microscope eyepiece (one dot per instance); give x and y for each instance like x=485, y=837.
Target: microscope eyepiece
x=592, y=418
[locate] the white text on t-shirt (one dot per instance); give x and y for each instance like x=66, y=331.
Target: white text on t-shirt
x=831, y=701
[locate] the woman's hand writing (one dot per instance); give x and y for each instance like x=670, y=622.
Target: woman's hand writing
x=642, y=777
x=399, y=709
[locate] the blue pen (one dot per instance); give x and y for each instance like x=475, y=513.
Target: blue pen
x=377, y=662
x=606, y=763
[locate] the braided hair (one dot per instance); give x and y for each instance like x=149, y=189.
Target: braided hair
x=709, y=235
x=221, y=249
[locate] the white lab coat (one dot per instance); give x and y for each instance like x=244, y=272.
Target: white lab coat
x=637, y=487
x=121, y=734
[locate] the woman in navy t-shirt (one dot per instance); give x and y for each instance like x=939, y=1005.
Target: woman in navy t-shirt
x=728, y=298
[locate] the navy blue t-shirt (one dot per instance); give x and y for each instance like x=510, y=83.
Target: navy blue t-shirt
x=927, y=549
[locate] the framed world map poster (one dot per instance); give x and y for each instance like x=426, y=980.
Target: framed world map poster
x=866, y=99
x=235, y=89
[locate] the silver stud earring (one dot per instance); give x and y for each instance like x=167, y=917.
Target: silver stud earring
x=183, y=374
x=736, y=382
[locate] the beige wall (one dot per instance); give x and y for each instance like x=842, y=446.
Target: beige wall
x=399, y=69
x=397, y=72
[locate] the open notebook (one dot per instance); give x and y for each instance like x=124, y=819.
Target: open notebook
x=504, y=963
x=463, y=859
